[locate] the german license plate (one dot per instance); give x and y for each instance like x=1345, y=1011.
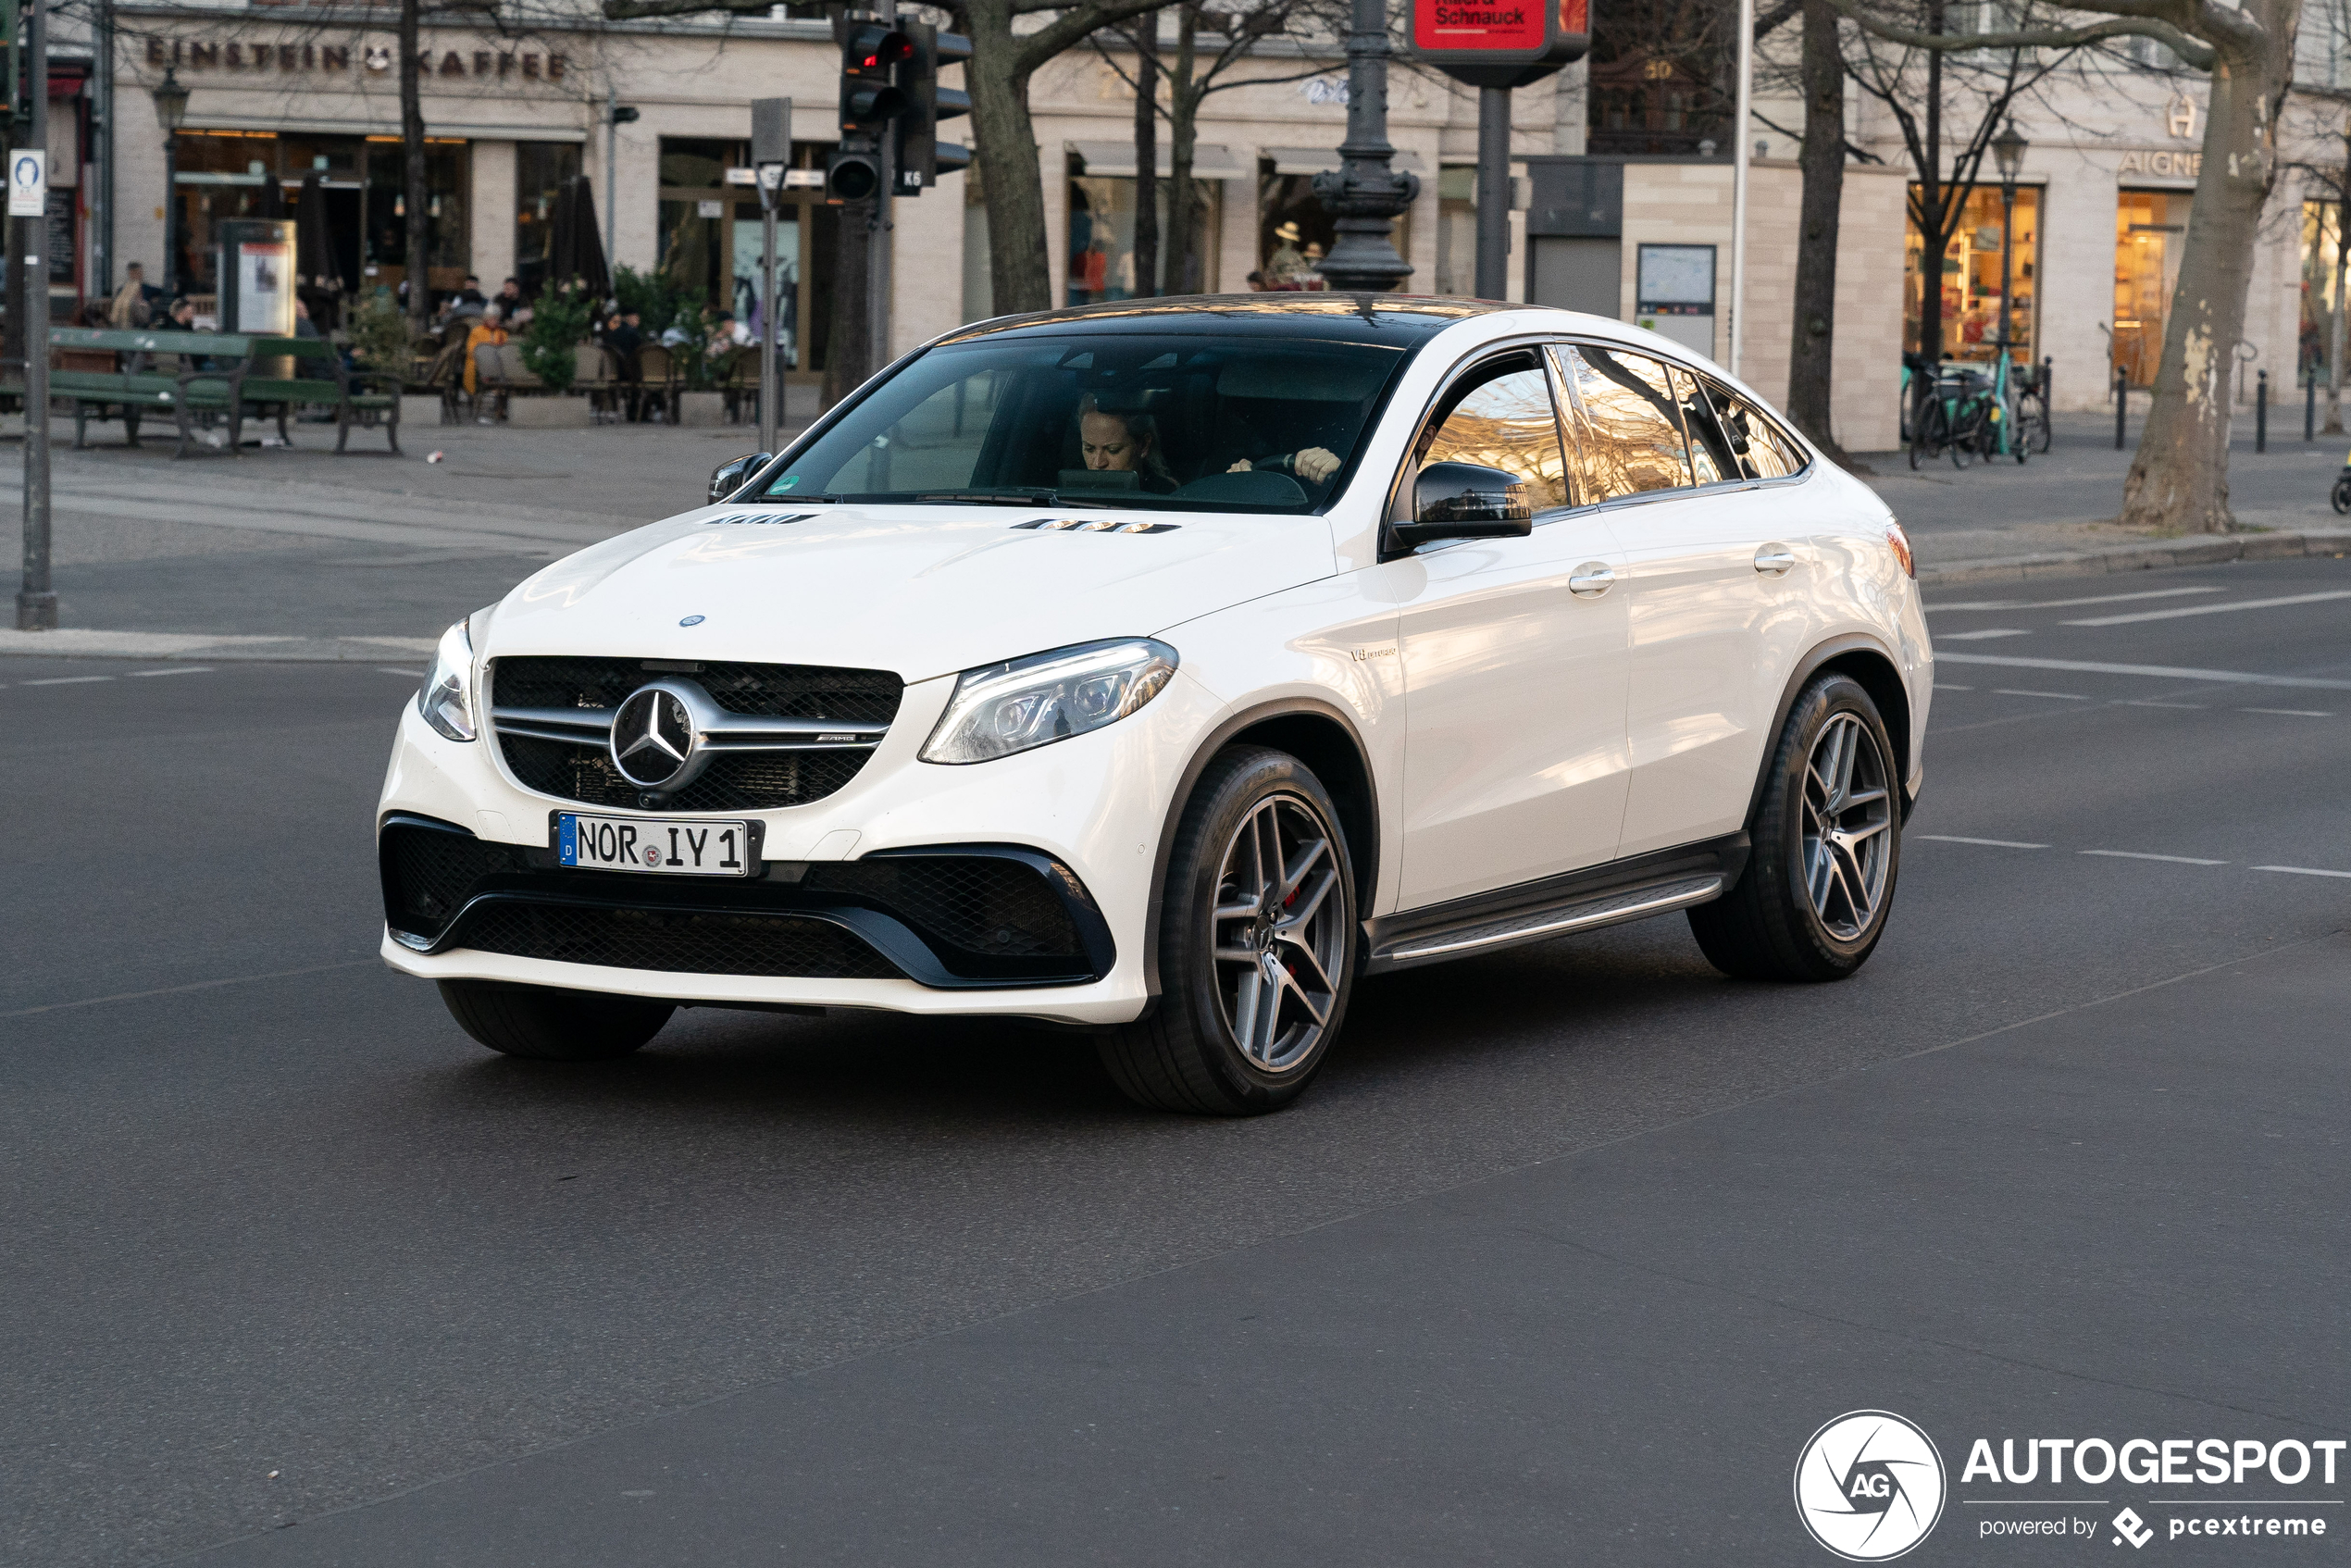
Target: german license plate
x=673, y=849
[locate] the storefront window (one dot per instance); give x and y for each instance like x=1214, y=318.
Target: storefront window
x=229, y=174
x=2149, y=228
x=1972, y=284
x=710, y=238
x=542, y=170
x=2322, y=280
x=1294, y=233
x=1101, y=238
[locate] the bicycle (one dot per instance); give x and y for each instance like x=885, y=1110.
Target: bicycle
x=2033, y=430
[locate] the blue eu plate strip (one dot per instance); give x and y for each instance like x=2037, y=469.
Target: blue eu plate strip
x=567, y=839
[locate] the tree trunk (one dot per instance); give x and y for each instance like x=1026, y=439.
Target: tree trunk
x=1183, y=130
x=848, y=356
x=2336, y=316
x=1811, y=371
x=1004, y=145
x=416, y=196
x=1146, y=248
x=1933, y=199
x=2179, y=478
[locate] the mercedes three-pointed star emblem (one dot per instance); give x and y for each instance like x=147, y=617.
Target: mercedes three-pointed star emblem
x=651, y=737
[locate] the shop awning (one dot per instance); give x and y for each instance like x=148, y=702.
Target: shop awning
x=1315, y=160
x=1209, y=161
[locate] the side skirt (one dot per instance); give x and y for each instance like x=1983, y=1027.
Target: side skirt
x=1579, y=900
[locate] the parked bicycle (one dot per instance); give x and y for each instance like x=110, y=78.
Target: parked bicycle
x=1970, y=414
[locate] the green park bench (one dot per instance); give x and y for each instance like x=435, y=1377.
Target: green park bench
x=243, y=373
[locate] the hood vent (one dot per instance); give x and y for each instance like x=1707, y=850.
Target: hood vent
x=770, y=517
x=1095, y=525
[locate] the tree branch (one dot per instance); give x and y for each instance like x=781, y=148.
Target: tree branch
x=2131, y=22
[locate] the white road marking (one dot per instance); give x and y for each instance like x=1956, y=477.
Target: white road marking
x=2160, y=672
x=403, y=674
x=2151, y=702
x=2132, y=854
x=2065, y=696
x=1947, y=686
x=1983, y=636
x=2303, y=870
x=2288, y=712
x=2216, y=609
x=2068, y=603
x=185, y=669
x=67, y=680
x=1990, y=843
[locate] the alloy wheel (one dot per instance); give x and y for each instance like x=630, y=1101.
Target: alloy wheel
x=1277, y=933
x=1849, y=819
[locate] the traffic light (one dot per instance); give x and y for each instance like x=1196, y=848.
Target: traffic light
x=922, y=157
x=870, y=55
x=17, y=106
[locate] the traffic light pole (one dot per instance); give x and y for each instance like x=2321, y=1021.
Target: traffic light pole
x=36, y=601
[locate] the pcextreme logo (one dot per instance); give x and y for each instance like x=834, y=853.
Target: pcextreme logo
x=1869, y=1485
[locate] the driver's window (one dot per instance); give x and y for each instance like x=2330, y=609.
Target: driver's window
x=1502, y=417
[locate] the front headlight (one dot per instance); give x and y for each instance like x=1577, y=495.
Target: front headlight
x=1033, y=702
x=445, y=699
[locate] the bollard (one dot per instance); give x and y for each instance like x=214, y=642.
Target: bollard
x=2310, y=406
x=2122, y=404
x=2261, y=411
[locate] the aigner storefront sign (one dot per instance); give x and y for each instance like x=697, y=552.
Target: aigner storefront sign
x=250, y=55
x=2184, y=166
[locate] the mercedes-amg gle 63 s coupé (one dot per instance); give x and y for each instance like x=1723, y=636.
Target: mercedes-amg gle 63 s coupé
x=1161, y=668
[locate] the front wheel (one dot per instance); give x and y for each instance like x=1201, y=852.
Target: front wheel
x=1966, y=431
x=1256, y=945
x=2340, y=496
x=1928, y=433
x=1826, y=846
x=552, y=1026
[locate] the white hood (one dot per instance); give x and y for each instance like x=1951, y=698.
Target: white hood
x=922, y=590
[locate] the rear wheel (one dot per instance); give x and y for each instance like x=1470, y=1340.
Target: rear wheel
x=1256, y=945
x=2340, y=499
x=1826, y=846
x=1967, y=431
x=552, y=1026
x=1929, y=432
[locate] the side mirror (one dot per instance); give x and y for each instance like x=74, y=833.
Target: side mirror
x=730, y=477
x=1465, y=501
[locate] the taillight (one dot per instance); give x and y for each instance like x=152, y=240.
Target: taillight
x=1899, y=543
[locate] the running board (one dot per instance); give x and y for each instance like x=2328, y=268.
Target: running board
x=1675, y=879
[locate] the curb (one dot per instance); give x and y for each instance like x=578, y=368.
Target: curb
x=2279, y=545
x=176, y=647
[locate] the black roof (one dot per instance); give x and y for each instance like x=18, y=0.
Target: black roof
x=1397, y=318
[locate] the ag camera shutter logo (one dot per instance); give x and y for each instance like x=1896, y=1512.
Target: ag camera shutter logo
x=1869, y=1485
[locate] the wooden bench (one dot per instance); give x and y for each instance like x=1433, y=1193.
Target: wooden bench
x=242, y=372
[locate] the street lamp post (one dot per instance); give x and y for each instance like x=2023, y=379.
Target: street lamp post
x=171, y=109
x=2007, y=151
x=1364, y=193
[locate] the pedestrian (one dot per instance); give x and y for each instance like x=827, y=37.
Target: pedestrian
x=486, y=333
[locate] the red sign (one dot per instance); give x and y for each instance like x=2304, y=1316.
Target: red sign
x=1500, y=42
x=1515, y=25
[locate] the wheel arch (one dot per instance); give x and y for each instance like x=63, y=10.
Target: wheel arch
x=1317, y=733
x=1866, y=660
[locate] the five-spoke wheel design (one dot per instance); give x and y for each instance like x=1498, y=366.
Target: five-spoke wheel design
x=1848, y=808
x=1278, y=936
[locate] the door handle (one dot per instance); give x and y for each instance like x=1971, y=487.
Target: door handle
x=1590, y=580
x=1771, y=560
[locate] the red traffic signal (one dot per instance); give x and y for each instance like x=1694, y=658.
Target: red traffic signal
x=871, y=52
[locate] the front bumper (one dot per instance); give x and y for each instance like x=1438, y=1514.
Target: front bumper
x=858, y=904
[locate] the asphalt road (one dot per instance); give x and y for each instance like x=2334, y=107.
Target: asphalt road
x=1565, y=1257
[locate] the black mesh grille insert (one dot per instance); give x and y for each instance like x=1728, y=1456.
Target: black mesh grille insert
x=428, y=873
x=998, y=907
x=748, y=781
x=675, y=942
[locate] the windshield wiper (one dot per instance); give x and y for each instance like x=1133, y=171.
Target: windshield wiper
x=990, y=497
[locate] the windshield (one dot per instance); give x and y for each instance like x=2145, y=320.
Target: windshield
x=1192, y=421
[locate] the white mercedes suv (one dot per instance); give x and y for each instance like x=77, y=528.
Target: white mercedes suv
x=1163, y=667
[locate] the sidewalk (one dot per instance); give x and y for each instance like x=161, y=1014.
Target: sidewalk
x=300, y=554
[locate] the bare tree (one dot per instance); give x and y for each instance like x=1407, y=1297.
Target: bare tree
x=2180, y=475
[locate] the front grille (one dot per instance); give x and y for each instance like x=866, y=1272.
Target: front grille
x=1000, y=908
x=739, y=781
x=677, y=942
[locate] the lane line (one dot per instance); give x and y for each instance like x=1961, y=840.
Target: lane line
x=2068, y=603
x=1990, y=843
x=403, y=674
x=2160, y=672
x=2151, y=702
x=1983, y=635
x=191, y=669
x=2133, y=854
x=2060, y=696
x=2303, y=871
x=197, y=986
x=2288, y=712
x=1947, y=686
x=2216, y=609
x=67, y=680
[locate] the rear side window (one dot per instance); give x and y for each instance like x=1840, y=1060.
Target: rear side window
x=1765, y=449
x=1501, y=416
x=1632, y=423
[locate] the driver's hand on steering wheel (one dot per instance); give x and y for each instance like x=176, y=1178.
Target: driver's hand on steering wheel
x=1312, y=463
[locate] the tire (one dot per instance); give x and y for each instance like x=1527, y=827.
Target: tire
x=1218, y=1044
x=552, y=1026
x=1966, y=432
x=1795, y=914
x=2340, y=497
x=1929, y=431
